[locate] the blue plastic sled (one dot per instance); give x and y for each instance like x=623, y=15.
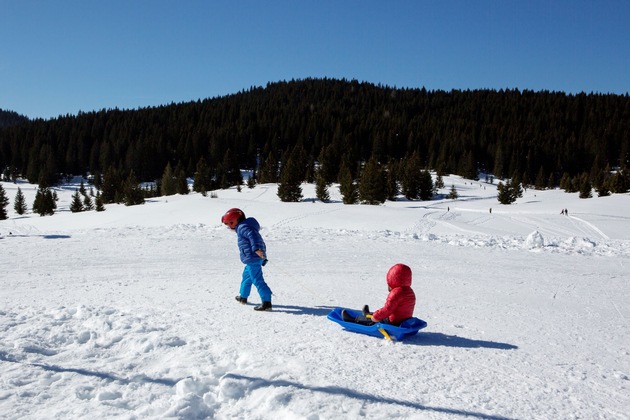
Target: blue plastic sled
x=408, y=327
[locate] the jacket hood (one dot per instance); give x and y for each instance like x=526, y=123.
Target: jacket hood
x=251, y=223
x=398, y=276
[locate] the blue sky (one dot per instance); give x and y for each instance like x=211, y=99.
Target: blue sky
x=62, y=57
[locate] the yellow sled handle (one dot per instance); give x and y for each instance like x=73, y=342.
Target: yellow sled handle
x=385, y=334
x=381, y=330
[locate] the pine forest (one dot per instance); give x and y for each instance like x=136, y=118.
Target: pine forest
x=327, y=130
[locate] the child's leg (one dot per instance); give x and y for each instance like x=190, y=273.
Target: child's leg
x=256, y=275
x=360, y=319
x=246, y=283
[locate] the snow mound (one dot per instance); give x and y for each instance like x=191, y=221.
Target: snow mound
x=535, y=241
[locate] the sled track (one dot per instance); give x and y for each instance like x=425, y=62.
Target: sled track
x=589, y=225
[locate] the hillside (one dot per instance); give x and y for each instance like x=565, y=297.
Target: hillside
x=536, y=136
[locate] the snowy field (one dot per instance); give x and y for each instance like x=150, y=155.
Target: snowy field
x=130, y=313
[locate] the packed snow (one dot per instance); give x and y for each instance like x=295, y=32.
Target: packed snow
x=130, y=313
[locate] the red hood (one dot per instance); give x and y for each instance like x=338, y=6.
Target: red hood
x=399, y=275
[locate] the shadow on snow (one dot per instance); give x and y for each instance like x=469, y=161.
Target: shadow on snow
x=421, y=339
x=303, y=310
x=337, y=390
x=439, y=339
x=5, y=357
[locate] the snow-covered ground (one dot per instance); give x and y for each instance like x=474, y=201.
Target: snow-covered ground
x=130, y=313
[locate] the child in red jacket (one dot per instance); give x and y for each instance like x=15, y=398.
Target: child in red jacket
x=399, y=304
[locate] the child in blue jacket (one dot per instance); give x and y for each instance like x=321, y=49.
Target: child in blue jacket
x=253, y=254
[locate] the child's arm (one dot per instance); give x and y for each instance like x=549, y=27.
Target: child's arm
x=390, y=305
x=256, y=242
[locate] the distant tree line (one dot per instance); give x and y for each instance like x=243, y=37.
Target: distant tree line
x=374, y=140
x=10, y=118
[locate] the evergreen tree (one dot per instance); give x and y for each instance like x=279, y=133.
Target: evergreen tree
x=585, y=186
x=77, y=205
x=516, y=188
x=300, y=158
x=290, y=186
x=181, y=182
x=321, y=188
x=20, y=203
x=230, y=173
x=551, y=183
x=617, y=183
x=508, y=193
x=168, y=185
x=498, y=169
x=45, y=202
x=112, y=186
x=391, y=180
x=504, y=194
x=98, y=180
x=411, y=178
x=269, y=170
x=525, y=180
x=328, y=160
x=347, y=187
x=38, y=202
x=452, y=195
x=87, y=203
x=4, y=202
x=133, y=194
x=426, y=185
x=439, y=181
x=99, y=202
x=202, y=182
x=565, y=182
x=372, y=184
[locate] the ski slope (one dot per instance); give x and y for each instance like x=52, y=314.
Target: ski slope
x=130, y=313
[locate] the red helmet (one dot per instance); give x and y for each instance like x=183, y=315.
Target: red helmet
x=233, y=217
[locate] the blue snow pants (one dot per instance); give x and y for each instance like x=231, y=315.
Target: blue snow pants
x=252, y=274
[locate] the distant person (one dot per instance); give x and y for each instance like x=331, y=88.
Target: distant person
x=562, y=212
x=253, y=254
x=399, y=304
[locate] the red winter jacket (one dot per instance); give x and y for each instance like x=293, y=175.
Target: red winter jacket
x=401, y=300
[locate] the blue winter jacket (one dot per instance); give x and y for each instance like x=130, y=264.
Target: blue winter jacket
x=249, y=240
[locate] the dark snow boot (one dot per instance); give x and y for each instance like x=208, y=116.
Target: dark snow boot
x=346, y=316
x=266, y=306
x=240, y=299
x=366, y=311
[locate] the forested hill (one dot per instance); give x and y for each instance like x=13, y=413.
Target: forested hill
x=508, y=132
x=9, y=118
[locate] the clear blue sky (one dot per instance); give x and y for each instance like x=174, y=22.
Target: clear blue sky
x=62, y=57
